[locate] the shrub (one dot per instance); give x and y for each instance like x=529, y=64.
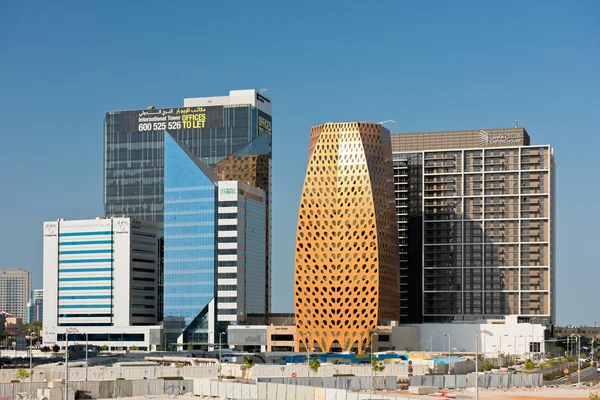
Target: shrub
x=104, y=348
x=376, y=365
x=486, y=366
x=46, y=349
x=22, y=374
x=529, y=365
x=314, y=365
x=55, y=348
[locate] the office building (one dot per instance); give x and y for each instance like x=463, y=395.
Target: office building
x=38, y=304
x=476, y=222
x=231, y=135
x=215, y=243
x=100, y=279
x=35, y=307
x=346, y=261
x=15, y=290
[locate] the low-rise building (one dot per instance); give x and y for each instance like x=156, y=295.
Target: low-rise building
x=506, y=336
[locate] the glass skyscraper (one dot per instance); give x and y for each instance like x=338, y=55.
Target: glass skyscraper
x=229, y=134
x=189, y=234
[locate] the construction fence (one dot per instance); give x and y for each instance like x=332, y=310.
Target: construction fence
x=340, y=382
x=280, y=391
x=42, y=374
x=283, y=371
x=484, y=380
x=98, y=389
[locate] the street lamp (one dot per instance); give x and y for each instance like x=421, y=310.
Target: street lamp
x=372, y=345
x=525, y=344
x=431, y=348
x=516, y=347
x=86, y=356
x=449, y=338
x=30, y=366
x=67, y=331
x=308, y=353
x=578, y=357
x=488, y=333
x=220, y=357
x=501, y=344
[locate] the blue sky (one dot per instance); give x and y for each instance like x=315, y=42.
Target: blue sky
x=430, y=65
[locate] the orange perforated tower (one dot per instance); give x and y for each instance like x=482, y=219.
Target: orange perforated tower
x=346, y=267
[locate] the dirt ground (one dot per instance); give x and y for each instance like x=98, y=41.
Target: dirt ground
x=564, y=393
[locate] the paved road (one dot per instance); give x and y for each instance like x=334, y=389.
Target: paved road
x=587, y=374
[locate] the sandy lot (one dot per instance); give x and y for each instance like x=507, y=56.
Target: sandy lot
x=565, y=393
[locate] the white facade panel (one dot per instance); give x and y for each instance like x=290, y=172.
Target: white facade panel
x=228, y=233
x=228, y=306
x=227, y=281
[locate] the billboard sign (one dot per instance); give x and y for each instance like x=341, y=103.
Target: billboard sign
x=172, y=119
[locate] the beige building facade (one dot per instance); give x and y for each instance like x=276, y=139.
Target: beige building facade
x=15, y=292
x=476, y=224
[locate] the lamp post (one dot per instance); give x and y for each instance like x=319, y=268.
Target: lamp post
x=516, y=343
x=67, y=364
x=372, y=344
x=488, y=333
x=449, y=338
x=431, y=347
x=30, y=366
x=67, y=331
x=220, y=353
x=578, y=337
x=86, y=356
x=501, y=345
x=308, y=354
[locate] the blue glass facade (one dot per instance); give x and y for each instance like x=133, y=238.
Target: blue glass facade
x=189, y=239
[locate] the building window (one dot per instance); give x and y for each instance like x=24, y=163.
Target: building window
x=282, y=338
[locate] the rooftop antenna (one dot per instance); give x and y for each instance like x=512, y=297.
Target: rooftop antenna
x=389, y=121
x=263, y=91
